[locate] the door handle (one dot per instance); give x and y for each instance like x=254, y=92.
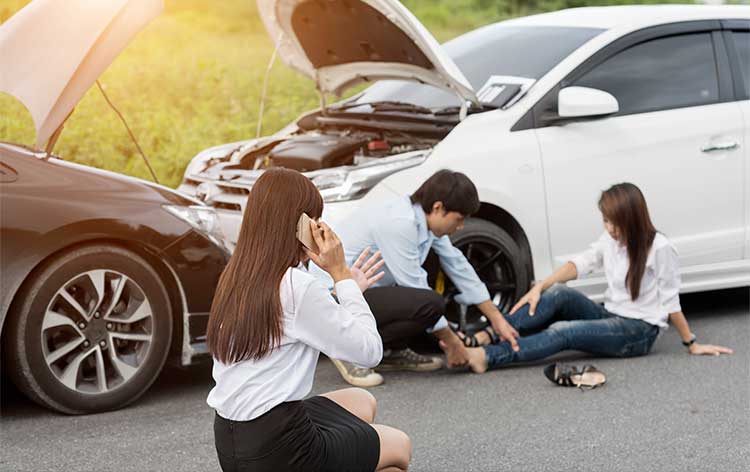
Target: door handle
x=720, y=147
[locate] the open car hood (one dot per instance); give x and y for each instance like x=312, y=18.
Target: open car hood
x=343, y=43
x=52, y=51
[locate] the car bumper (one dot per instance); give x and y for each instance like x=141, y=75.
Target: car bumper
x=196, y=265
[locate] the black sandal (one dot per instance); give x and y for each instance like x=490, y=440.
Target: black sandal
x=570, y=376
x=470, y=340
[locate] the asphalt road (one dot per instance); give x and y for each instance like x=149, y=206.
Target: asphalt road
x=665, y=412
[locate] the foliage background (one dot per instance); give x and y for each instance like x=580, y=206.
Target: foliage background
x=192, y=79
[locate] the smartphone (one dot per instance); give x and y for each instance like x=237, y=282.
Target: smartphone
x=304, y=233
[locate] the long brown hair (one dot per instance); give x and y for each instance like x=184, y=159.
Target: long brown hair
x=624, y=205
x=246, y=317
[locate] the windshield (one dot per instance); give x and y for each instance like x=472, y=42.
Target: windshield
x=522, y=51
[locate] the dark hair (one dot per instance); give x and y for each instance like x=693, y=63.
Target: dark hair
x=454, y=189
x=624, y=205
x=246, y=317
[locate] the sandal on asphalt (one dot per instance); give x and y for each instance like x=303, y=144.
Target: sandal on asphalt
x=571, y=376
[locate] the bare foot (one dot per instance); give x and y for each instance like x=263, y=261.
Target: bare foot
x=477, y=360
x=456, y=354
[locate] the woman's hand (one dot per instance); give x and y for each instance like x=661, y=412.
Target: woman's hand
x=532, y=298
x=331, y=256
x=708, y=350
x=366, y=273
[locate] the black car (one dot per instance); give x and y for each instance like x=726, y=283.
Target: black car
x=103, y=278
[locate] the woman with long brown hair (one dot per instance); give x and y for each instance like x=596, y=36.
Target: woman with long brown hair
x=642, y=297
x=269, y=321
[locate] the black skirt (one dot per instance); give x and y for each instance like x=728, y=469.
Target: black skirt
x=309, y=435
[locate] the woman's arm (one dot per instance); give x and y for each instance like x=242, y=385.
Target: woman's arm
x=668, y=284
x=346, y=330
x=580, y=264
x=563, y=274
x=681, y=325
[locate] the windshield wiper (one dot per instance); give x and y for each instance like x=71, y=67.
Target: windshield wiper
x=386, y=105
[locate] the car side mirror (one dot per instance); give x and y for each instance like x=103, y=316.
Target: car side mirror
x=574, y=102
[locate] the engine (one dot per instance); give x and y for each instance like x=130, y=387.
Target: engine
x=315, y=150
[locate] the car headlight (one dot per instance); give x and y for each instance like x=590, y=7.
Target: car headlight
x=202, y=218
x=351, y=183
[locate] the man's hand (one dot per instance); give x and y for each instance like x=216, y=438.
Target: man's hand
x=455, y=351
x=506, y=332
x=365, y=273
x=502, y=328
x=532, y=298
x=456, y=355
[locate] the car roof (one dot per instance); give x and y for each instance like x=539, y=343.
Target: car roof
x=629, y=16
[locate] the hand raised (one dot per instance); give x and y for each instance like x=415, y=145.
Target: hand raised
x=365, y=272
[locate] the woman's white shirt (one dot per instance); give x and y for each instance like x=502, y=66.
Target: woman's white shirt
x=660, y=286
x=312, y=323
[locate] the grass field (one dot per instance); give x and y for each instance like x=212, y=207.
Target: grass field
x=193, y=79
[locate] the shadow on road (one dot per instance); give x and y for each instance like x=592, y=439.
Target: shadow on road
x=177, y=381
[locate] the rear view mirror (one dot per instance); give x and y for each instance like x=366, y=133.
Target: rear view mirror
x=584, y=101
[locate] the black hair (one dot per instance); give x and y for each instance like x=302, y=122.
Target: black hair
x=454, y=189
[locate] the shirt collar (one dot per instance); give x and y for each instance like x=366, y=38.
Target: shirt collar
x=423, y=232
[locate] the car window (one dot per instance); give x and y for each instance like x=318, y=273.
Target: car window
x=742, y=45
x=522, y=51
x=671, y=72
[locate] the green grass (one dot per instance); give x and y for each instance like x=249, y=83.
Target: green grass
x=193, y=78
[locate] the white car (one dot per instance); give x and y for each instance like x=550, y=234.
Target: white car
x=568, y=103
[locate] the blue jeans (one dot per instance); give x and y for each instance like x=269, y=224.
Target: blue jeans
x=566, y=319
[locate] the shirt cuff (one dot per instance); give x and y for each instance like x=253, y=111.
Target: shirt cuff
x=347, y=288
x=581, y=268
x=474, y=297
x=674, y=306
x=440, y=324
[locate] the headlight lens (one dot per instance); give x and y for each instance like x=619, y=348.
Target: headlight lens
x=203, y=219
x=338, y=185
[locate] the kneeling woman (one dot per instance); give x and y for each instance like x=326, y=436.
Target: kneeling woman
x=641, y=267
x=269, y=322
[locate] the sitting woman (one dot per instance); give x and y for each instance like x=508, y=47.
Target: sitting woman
x=643, y=278
x=269, y=321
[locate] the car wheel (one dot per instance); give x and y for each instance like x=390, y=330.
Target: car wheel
x=89, y=331
x=500, y=264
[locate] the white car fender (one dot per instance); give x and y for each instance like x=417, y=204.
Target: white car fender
x=506, y=168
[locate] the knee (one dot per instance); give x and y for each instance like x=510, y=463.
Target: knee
x=404, y=451
x=559, y=289
x=369, y=404
x=560, y=327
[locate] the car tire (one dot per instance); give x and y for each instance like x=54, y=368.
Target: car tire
x=89, y=331
x=498, y=260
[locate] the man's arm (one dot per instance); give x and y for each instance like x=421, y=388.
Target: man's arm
x=473, y=290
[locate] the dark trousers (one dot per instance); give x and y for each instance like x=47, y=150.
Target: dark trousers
x=403, y=312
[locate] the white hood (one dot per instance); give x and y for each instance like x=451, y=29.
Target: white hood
x=52, y=51
x=342, y=43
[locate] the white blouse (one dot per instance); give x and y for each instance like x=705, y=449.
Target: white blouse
x=312, y=323
x=660, y=286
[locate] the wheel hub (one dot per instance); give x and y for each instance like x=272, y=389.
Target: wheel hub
x=96, y=331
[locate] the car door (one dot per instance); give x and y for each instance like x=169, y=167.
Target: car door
x=737, y=37
x=678, y=136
